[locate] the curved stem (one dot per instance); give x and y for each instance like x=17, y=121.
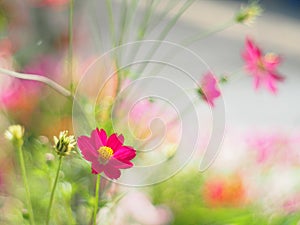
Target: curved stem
x=190, y=40
x=53, y=191
x=60, y=89
x=96, y=199
x=25, y=181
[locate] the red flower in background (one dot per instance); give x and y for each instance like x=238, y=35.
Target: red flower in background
x=263, y=68
x=107, y=154
x=224, y=191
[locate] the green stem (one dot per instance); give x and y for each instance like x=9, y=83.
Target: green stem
x=25, y=181
x=70, y=48
x=96, y=199
x=60, y=89
x=111, y=22
x=53, y=190
x=230, y=77
x=165, y=32
x=190, y=40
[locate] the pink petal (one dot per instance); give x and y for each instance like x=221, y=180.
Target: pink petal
x=94, y=171
x=277, y=77
x=95, y=137
x=272, y=63
x=112, y=172
x=271, y=85
x=113, y=142
x=119, y=164
x=97, y=167
x=257, y=82
x=103, y=136
x=121, y=138
x=86, y=147
x=252, y=49
x=124, y=154
x=209, y=88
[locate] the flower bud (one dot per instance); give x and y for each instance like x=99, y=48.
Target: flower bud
x=15, y=134
x=64, y=144
x=248, y=14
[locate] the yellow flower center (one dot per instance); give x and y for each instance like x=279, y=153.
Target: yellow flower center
x=105, y=153
x=271, y=57
x=261, y=65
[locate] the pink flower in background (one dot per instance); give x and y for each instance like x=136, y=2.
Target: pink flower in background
x=263, y=145
x=6, y=51
x=275, y=148
x=263, y=68
x=107, y=154
x=21, y=96
x=292, y=204
x=52, y=3
x=137, y=208
x=208, y=88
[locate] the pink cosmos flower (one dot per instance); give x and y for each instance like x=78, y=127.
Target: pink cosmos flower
x=107, y=154
x=262, y=67
x=209, y=90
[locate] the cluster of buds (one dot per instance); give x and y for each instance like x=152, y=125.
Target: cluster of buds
x=64, y=144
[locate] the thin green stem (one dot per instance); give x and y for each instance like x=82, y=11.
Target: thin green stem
x=96, y=199
x=201, y=35
x=38, y=78
x=25, y=181
x=230, y=77
x=163, y=15
x=142, y=28
x=111, y=22
x=165, y=32
x=53, y=190
x=70, y=48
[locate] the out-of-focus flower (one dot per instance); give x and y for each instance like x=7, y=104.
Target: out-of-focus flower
x=20, y=97
x=15, y=134
x=64, y=144
x=51, y=3
x=136, y=208
x=107, y=154
x=140, y=116
x=208, y=88
x=223, y=191
x=6, y=53
x=49, y=158
x=275, y=148
x=263, y=68
x=292, y=204
x=19, y=100
x=248, y=14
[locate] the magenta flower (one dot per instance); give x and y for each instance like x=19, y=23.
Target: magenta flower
x=262, y=67
x=208, y=88
x=107, y=154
